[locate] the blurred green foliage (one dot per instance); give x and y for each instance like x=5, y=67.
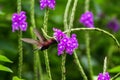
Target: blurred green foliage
x=16, y=78
x=2, y=67
x=101, y=45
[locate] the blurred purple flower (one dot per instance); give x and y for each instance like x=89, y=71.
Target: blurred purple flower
x=64, y=42
x=19, y=21
x=102, y=76
x=87, y=19
x=47, y=3
x=113, y=25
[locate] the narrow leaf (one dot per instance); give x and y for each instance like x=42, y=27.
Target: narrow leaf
x=5, y=59
x=117, y=78
x=115, y=69
x=4, y=68
x=16, y=78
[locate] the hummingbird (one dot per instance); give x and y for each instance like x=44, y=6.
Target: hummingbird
x=42, y=43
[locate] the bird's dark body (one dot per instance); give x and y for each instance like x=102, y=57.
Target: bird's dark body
x=47, y=43
x=42, y=43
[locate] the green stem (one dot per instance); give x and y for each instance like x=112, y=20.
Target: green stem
x=66, y=14
x=37, y=63
x=63, y=66
x=68, y=33
x=98, y=30
x=18, y=6
x=105, y=65
x=20, y=49
x=35, y=66
x=45, y=52
x=88, y=44
x=39, y=67
x=72, y=16
x=45, y=20
x=47, y=64
x=32, y=14
x=65, y=28
x=45, y=34
x=79, y=66
x=33, y=36
x=87, y=5
x=20, y=54
x=87, y=38
x=114, y=77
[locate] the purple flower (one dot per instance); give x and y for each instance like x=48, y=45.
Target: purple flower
x=19, y=21
x=47, y=3
x=87, y=19
x=61, y=47
x=64, y=42
x=58, y=34
x=74, y=41
x=72, y=44
x=69, y=46
x=102, y=76
x=114, y=25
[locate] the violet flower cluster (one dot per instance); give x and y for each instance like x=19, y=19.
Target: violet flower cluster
x=87, y=19
x=114, y=25
x=47, y=3
x=102, y=76
x=65, y=43
x=19, y=21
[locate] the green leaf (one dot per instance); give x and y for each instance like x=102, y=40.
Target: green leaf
x=16, y=78
x=4, y=68
x=117, y=78
x=115, y=69
x=5, y=59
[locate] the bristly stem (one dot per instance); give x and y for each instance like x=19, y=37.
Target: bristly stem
x=65, y=28
x=37, y=63
x=105, y=65
x=32, y=14
x=45, y=20
x=45, y=52
x=45, y=34
x=20, y=49
x=72, y=16
x=79, y=66
x=88, y=43
x=39, y=68
x=47, y=64
x=114, y=77
x=18, y=6
x=35, y=66
x=63, y=66
x=66, y=14
x=98, y=30
x=87, y=40
x=33, y=36
x=20, y=54
x=69, y=28
x=63, y=70
x=87, y=5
